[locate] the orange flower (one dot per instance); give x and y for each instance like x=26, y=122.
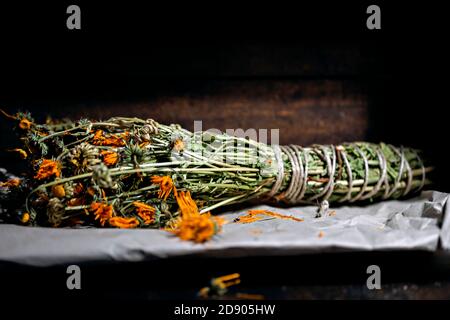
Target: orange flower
x=110, y=158
x=47, y=169
x=197, y=228
x=124, y=223
x=187, y=205
x=226, y=281
x=25, y=124
x=113, y=140
x=98, y=137
x=194, y=226
x=166, y=186
x=145, y=211
x=102, y=211
x=15, y=182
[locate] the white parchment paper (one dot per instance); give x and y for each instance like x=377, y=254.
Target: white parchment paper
x=389, y=225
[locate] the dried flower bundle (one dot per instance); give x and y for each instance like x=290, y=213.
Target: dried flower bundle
x=130, y=172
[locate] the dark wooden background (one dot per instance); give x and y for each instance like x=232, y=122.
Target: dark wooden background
x=312, y=93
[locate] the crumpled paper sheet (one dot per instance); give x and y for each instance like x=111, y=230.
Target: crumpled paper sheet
x=389, y=225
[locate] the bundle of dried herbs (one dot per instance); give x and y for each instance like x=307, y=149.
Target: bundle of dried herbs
x=131, y=172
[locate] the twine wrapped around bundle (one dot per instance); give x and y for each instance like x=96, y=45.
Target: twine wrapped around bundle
x=387, y=172
x=131, y=172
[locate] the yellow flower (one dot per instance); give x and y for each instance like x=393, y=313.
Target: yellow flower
x=166, y=186
x=124, y=223
x=145, y=211
x=47, y=169
x=102, y=212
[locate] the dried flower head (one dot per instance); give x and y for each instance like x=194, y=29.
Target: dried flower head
x=110, y=158
x=55, y=211
x=194, y=226
x=197, y=228
x=113, y=140
x=69, y=190
x=124, y=223
x=84, y=157
x=145, y=211
x=144, y=133
x=166, y=186
x=47, y=169
x=25, y=124
x=187, y=205
x=223, y=282
x=102, y=177
x=102, y=211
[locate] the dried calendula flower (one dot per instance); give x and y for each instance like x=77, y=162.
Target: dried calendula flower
x=124, y=223
x=47, y=169
x=194, y=226
x=102, y=176
x=145, y=211
x=187, y=205
x=58, y=191
x=113, y=140
x=84, y=157
x=166, y=186
x=219, y=286
x=15, y=182
x=110, y=158
x=25, y=124
x=102, y=211
x=199, y=228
